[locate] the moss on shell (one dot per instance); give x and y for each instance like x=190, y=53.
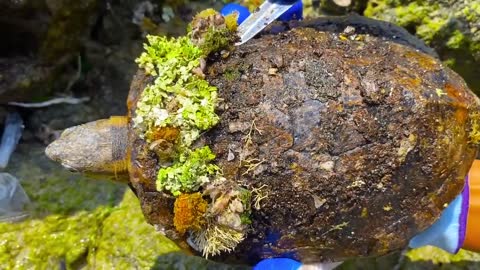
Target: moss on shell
x=177, y=98
x=475, y=129
x=189, y=172
x=180, y=98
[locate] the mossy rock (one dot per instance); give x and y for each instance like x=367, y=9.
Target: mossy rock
x=450, y=27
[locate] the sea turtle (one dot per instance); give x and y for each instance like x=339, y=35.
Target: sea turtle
x=349, y=140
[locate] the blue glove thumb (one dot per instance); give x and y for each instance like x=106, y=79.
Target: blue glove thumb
x=277, y=264
x=445, y=233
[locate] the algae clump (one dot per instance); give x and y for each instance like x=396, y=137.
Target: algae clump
x=192, y=170
x=127, y=241
x=180, y=98
x=177, y=97
x=48, y=243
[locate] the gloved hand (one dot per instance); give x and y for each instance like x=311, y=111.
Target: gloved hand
x=448, y=233
x=289, y=264
x=293, y=13
x=458, y=227
x=277, y=264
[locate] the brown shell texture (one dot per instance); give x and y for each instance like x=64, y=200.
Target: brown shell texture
x=353, y=143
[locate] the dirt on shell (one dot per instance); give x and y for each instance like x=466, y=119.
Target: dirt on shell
x=351, y=144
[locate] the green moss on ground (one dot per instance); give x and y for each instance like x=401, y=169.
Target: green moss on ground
x=127, y=241
x=438, y=256
x=425, y=258
x=75, y=222
x=51, y=242
x=105, y=238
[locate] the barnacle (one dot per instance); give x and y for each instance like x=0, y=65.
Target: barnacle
x=228, y=216
x=212, y=32
x=216, y=238
x=189, y=210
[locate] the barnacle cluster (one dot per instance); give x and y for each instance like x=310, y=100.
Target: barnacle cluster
x=171, y=113
x=227, y=217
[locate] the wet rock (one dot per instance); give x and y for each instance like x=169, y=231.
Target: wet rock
x=39, y=38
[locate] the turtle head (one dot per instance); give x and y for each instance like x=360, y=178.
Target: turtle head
x=97, y=148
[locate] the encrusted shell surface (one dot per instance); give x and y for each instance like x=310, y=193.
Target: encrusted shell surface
x=352, y=143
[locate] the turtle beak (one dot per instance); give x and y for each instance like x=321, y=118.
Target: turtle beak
x=52, y=151
x=61, y=151
x=68, y=167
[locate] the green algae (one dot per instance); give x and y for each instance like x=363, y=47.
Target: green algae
x=105, y=238
x=438, y=256
x=178, y=260
x=425, y=258
x=75, y=222
x=177, y=97
x=232, y=74
x=127, y=241
x=53, y=190
x=192, y=170
x=180, y=97
x=49, y=243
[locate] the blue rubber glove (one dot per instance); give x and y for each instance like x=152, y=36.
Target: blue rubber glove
x=293, y=13
x=242, y=11
x=448, y=233
x=277, y=264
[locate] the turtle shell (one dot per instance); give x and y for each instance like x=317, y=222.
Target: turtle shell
x=357, y=142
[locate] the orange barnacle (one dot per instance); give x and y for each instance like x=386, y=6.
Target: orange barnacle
x=189, y=210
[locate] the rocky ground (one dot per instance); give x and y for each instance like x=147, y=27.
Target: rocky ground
x=86, y=49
